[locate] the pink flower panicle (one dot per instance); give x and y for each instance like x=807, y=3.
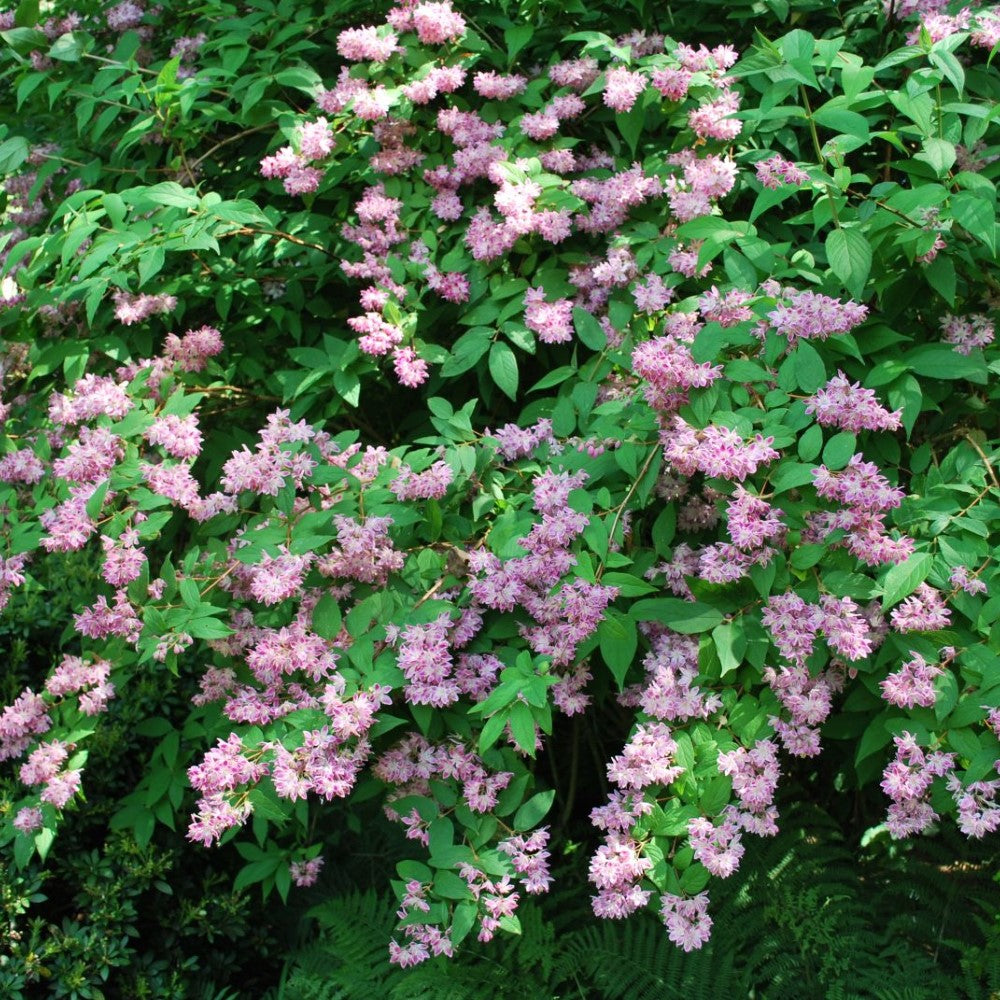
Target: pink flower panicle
x=622, y=88
x=847, y=405
x=367, y=44
x=775, y=171
x=811, y=316
x=912, y=684
x=431, y=484
x=178, y=436
x=961, y=580
x=687, y=921
x=907, y=781
x=922, y=611
x=965, y=333
x=716, y=451
x=305, y=873
x=20, y=722
x=130, y=309
x=552, y=321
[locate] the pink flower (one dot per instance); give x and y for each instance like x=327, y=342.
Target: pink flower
x=776, y=171
x=847, y=405
x=315, y=139
x=178, y=436
x=436, y=23
x=411, y=370
x=367, y=43
x=688, y=924
x=305, y=873
x=912, y=684
x=622, y=88
x=552, y=321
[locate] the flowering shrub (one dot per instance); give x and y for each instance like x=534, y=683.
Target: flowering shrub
x=667, y=380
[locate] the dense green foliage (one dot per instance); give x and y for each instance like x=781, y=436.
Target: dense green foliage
x=668, y=420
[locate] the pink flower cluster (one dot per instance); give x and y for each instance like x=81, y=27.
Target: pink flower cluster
x=618, y=866
x=960, y=579
x=811, y=316
x=687, y=921
x=755, y=774
x=965, y=333
x=794, y=624
x=530, y=859
x=669, y=692
x=867, y=495
x=912, y=684
x=622, y=88
x=293, y=168
x=519, y=442
x=44, y=766
x=305, y=873
x=431, y=484
x=178, y=436
x=131, y=309
x=367, y=44
x=978, y=808
x=923, y=611
x=776, y=171
x=847, y=405
x=552, y=321
x=11, y=575
x=669, y=370
x=907, y=781
x=565, y=616
x=704, y=180
x=27, y=717
x=364, y=551
x=716, y=451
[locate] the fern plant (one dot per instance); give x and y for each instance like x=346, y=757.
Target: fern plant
x=809, y=915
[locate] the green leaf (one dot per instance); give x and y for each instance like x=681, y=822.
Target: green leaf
x=810, y=372
x=255, y=872
x=810, y=443
x=850, y=256
x=976, y=215
x=589, y=330
x=266, y=803
x=503, y=368
x=839, y=450
x=522, y=727
x=694, y=879
x=940, y=275
x=730, y=644
x=208, y=627
x=682, y=616
x=23, y=40
x=618, y=640
x=533, y=811
x=326, y=617
x=27, y=13
x=70, y=47
x=843, y=121
x=492, y=729
x=943, y=361
x=13, y=152
x=464, y=919
x=938, y=154
x=516, y=37
x=903, y=578
x=466, y=351
x=950, y=66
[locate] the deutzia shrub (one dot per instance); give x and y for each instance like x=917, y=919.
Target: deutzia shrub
x=416, y=382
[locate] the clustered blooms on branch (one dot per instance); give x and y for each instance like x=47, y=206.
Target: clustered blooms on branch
x=542, y=189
